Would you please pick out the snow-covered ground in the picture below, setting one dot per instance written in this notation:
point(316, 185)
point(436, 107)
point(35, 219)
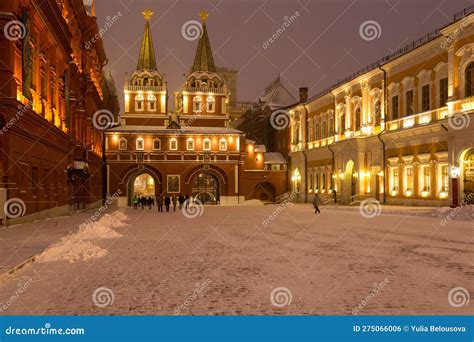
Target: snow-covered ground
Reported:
point(253, 260)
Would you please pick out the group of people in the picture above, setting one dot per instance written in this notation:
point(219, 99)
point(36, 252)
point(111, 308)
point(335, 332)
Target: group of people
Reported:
point(162, 200)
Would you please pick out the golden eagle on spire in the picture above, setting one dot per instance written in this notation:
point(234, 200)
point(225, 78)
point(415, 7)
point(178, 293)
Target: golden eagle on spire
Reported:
point(203, 15)
point(147, 14)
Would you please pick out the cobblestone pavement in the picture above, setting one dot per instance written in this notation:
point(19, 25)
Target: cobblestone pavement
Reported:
point(260, 260)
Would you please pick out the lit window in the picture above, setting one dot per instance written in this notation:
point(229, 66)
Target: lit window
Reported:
point(140, 144)
point(426, 178)
point(151, 103)
point(190, 144)
point(157, 144)
point(444, 178)
point(206, 145)
point(139, 102)
point(211, 105)
point(394, 180)
point(409, 180)
point(173, 144)
point(123, 144)
point(197, 104)
point(223, 145)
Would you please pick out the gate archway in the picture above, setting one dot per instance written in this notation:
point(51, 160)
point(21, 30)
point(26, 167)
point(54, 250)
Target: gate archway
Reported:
point(206, 188)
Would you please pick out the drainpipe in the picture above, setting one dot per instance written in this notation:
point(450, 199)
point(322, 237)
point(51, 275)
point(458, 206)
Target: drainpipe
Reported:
point(305, 156)
point(333, 162)
point(379, 136)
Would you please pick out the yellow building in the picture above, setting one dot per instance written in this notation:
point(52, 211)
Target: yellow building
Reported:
point(400, 130)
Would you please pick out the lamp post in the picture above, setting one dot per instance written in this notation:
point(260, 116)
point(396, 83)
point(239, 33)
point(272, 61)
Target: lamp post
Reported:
point(455, 173)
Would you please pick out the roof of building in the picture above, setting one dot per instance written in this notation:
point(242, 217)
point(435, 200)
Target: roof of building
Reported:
point(203, 60)
point(274, 158)
point(276, 95)
point(165, 130)
point(260, 148)
point(146, 58)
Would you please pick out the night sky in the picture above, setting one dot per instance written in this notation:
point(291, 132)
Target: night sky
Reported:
point(319, 47)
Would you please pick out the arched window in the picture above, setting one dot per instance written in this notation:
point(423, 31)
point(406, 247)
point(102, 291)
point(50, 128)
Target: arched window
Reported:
point(139, 103)
point(469, 74)
point(157, 144)
point(197, 104)
point(140, 144)
point(123, 144)
point(173, 144)
point(211, 104)
point(378, 113)
point(206, 144)
point(222, 145)
point(343, 123)
point(357, 119)
point(151, 103)
point(190, 144)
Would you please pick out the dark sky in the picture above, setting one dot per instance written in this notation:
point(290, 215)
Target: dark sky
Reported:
point(321, 46)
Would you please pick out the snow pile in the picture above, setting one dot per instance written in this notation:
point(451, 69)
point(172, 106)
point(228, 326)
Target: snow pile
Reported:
point(77, 247)
point(459, 213)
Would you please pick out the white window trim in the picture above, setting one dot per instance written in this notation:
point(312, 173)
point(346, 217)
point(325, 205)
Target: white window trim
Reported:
point(190, 140)
point(120, 144)
point(197, 99)
point(173, 140)
point(204, 144)
point(142, 99)
point(225, 142)
point(210, 99)
point(142, 142)
point(150, 100)
point(155, 140)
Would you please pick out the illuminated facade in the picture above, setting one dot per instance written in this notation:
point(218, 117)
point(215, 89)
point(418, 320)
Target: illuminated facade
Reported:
point(400, 130)
point(191, 150)
point(50, 88)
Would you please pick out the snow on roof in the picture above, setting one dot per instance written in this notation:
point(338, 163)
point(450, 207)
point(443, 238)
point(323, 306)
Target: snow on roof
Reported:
point(260, 148)
point(249, 141)
point(276, 95)
point(274, 158)
point(164, 130)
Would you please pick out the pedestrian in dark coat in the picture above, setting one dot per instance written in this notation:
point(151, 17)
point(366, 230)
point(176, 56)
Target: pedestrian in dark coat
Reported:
point(149, 202)
point(186, 201)
point(334, 195)
point(174, 200)
point(159, 201)
point(316, 203)
point(167, 202)
point(143, 202)
point(181, 201)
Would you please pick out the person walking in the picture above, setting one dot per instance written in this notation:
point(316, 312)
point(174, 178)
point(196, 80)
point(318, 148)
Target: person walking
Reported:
point(316, 203)
point(135, 202)
point(181, 201)
point(149, 202)
point(334, 195)
point(159, 201)
point(143, 202)
point(186, 201)
point(174, 200)
point(167, 202)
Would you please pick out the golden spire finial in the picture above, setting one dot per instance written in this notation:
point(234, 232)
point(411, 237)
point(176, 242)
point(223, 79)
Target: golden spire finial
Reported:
point(203, 15)
point(147, 14)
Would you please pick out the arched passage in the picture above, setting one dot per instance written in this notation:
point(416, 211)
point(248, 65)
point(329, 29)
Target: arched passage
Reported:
point(206, 187)
point(144, 181)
